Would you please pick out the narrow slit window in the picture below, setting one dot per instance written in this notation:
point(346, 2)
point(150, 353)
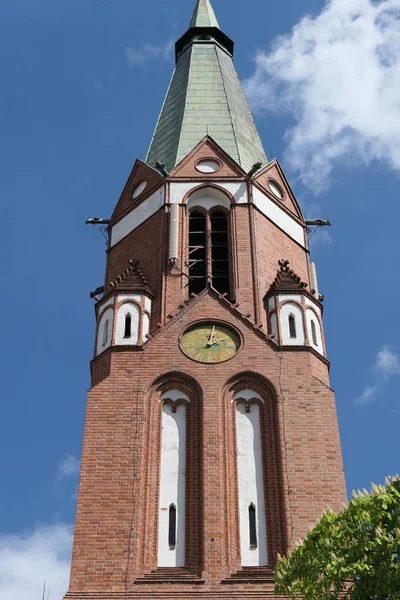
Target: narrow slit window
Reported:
point(292, 326)
point(105, 332)
point(252, 526)
point(197, 252)
point(128, 325)
point(314, 333)
point(220, 252)
point(172, 527)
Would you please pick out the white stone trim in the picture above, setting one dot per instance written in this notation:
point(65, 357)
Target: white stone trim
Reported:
point(278, 216)
point(251, 483)
point(290, 308)
point(108, 315)
point(137, 216)
point(172, 484)
point(134, 311)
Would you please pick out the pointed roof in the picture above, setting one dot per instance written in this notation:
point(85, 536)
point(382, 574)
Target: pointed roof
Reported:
point(131, 280)
point(203, 15)
point(205, 97)
point(286, 280)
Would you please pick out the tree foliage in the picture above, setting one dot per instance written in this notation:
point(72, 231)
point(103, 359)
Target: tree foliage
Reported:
point(351, 555)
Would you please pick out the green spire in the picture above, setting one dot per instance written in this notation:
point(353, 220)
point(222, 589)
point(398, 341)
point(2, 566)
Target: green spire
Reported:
point(203, 15)
point(205, 98)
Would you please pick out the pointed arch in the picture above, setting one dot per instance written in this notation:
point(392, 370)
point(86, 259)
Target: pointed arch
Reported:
point(253, 433)
point(175, 419)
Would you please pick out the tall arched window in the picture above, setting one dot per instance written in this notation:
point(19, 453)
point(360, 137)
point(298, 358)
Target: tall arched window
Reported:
point(209, 251)
point(253, 531)
point(197, 252)
point(314, 333)
point(128, 325)
point(292, 326)
point(219, 252)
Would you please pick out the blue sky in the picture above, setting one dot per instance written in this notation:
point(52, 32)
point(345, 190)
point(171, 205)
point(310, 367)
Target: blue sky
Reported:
point(81, 87)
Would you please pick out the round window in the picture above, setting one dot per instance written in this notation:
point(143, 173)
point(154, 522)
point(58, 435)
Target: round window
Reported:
point(208, 166)
point(139, 189)
point(275, 189)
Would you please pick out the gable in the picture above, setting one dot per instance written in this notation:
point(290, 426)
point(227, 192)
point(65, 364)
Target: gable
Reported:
point(210, 306)
point(196, 165)
point(272, 179)
point(142, 183)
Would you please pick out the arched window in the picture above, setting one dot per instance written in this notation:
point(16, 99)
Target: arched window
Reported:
point(105, 332)
point(314, 333)
point(252, 526)
point(171, 523)
point(197, 252)
point(128, 325)
point(209, 251)
point(292, 326)
point(219, 252)
point(252, 523)
point(172, 527)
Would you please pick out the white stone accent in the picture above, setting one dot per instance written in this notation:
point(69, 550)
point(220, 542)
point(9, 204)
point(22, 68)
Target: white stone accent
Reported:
point(292, 309)
point(251, 487)
point(104, 331)
point(247, 395)
point(311, 316)
point(294, 297)
point(271, 303)
point(120, 338)
point(136, 297)
point(279, 216)
point(173, 247)
point(145, 327)
point(172, 484)
point(208, 197)
point(137, 216)
point(147, 304)
point(317, 309)
point(274, 327)
point(110, 302)
point(314, 278)
point(238, 190)
point(174, 395)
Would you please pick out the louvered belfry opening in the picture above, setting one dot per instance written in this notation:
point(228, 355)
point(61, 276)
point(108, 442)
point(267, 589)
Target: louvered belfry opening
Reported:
point(219, 252)
point(197, 252)
point(208, 251)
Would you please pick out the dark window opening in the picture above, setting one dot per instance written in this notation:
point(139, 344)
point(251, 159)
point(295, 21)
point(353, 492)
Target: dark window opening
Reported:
point(314, 333)
point(292, 326)
point(197, 252)
point(172, 527)
point(219, 252)
point(252, 526)
point(128, 326)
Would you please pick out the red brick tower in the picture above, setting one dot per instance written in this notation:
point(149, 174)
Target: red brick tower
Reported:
point(211, 441)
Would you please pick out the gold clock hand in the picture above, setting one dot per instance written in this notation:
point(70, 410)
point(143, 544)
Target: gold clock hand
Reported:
point(210, 339)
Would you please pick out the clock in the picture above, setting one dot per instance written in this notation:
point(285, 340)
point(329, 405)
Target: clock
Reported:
point(210, 343)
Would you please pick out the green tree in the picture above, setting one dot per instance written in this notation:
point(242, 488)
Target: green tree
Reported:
point(351, 555)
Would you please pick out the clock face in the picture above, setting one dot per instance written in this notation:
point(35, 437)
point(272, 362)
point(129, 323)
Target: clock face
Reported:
point(210, 343)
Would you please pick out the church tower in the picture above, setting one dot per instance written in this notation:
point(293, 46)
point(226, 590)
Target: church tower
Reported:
point(211, 440)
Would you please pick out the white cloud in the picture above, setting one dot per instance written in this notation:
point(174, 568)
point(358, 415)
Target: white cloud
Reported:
point(387, 362)
point(367, 395)
point(140, 56)
point(338, 75)
point(29, 558)
point(67, 467)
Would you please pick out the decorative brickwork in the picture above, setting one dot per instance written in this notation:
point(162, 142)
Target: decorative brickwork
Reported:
point(115, 553)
